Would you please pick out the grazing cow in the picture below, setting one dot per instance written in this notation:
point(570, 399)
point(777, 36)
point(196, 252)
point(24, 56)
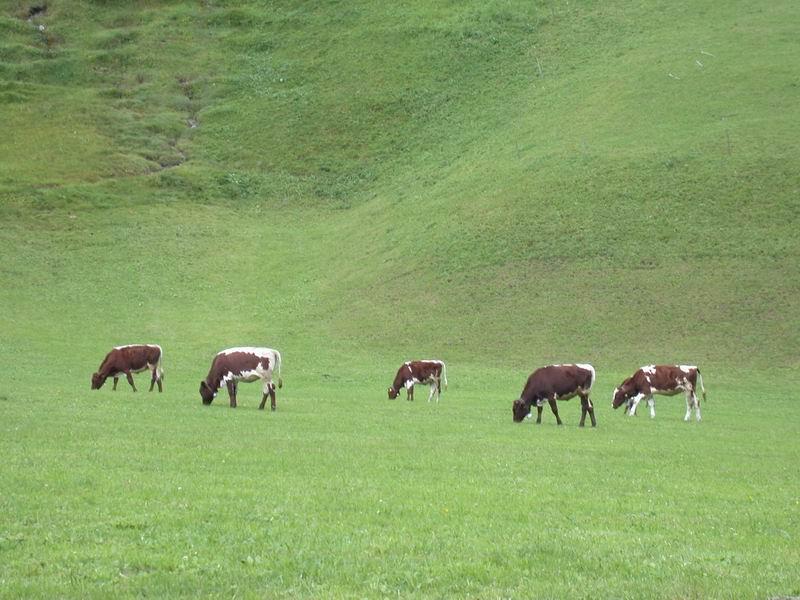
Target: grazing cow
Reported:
point(233, 365)
point(430, 372)
point(130, 359)
point(556, 382)
point(666, 380)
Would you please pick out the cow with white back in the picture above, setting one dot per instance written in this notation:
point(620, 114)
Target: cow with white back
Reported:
point(247, 364)
point(430, 372)
point(552, 383)
point(134, 358)
point(666, 380)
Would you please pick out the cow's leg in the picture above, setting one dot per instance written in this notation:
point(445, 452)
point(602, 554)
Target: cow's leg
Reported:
point(116, 380)
point(269, 390)
point(130, 379)
point(634, 403)
point(232, 392)
point(264, 394)
point(586, 407)
point(156, 379)
point(692, 402)
point(696, 405)
point(434, 390)
point(539, 412)
point(410, 392)
point(651, 403)
point(554, 408)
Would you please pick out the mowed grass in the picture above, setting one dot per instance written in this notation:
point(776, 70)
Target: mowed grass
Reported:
point(344, 493)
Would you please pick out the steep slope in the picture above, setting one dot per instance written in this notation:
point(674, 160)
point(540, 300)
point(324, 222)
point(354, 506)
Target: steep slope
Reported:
point(522, 181)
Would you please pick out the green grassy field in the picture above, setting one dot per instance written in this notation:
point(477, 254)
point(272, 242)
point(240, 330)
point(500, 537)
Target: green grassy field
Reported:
point(497, 184)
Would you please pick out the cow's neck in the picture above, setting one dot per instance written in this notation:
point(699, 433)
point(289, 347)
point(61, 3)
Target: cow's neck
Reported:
point(213, 381)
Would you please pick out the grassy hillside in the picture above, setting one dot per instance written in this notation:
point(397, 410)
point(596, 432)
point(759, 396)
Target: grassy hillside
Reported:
point(499, 184)
point(567, 179)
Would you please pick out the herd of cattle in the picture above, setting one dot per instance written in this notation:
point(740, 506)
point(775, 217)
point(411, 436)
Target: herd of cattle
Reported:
point(550, 383)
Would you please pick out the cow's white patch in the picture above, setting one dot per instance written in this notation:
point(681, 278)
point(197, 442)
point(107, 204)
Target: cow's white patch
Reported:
point(687, 368)
point(249, 375)
point(262, 352)
point(649, 369)
point(134, 345)
point(589, 368)
point(633, 403)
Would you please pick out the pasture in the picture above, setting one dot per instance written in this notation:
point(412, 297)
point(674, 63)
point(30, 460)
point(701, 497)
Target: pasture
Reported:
point(343, 493)
point(500, 185)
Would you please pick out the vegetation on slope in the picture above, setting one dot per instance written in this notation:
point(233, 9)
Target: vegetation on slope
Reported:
point(570, 179)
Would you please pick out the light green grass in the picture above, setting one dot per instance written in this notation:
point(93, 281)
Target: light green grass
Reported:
point(343, 493)
point(500, 185)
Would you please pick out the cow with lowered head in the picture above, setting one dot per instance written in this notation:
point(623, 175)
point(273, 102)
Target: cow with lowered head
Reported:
point(666, 380)
point(233, 365)
point(429, 372)
point(556, 382)
point(126, 360)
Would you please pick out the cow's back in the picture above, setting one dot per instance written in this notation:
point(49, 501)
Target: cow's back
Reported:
point(134, 357)
point(238, 360)
point(426, 369)
point(671, 376)
point(557, 379)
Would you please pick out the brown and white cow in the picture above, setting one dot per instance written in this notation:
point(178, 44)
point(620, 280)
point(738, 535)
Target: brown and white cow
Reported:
point(233, 365)
point(556, 382)
point(134, 358)
point(666, 380)
point(430, 372)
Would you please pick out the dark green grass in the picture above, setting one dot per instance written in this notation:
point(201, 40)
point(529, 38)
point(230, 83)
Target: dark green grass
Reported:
point(343, 493)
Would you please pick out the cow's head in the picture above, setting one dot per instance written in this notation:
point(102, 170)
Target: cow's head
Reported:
point(392, 393)
point(520, 410)
point(206, 393)
point(97, 381)
point(622, 394)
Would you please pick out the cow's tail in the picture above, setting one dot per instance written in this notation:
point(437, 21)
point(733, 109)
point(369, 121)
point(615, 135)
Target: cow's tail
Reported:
point(278, 368)
point(159, 368)
point(594, 376)
point(444, 374)
point(702, 387)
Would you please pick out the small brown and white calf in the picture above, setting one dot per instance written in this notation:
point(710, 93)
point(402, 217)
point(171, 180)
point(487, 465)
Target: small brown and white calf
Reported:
point(130, 359)
point(556, 382)
point(233, 365)
point(666, 380)
point(430, 372)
